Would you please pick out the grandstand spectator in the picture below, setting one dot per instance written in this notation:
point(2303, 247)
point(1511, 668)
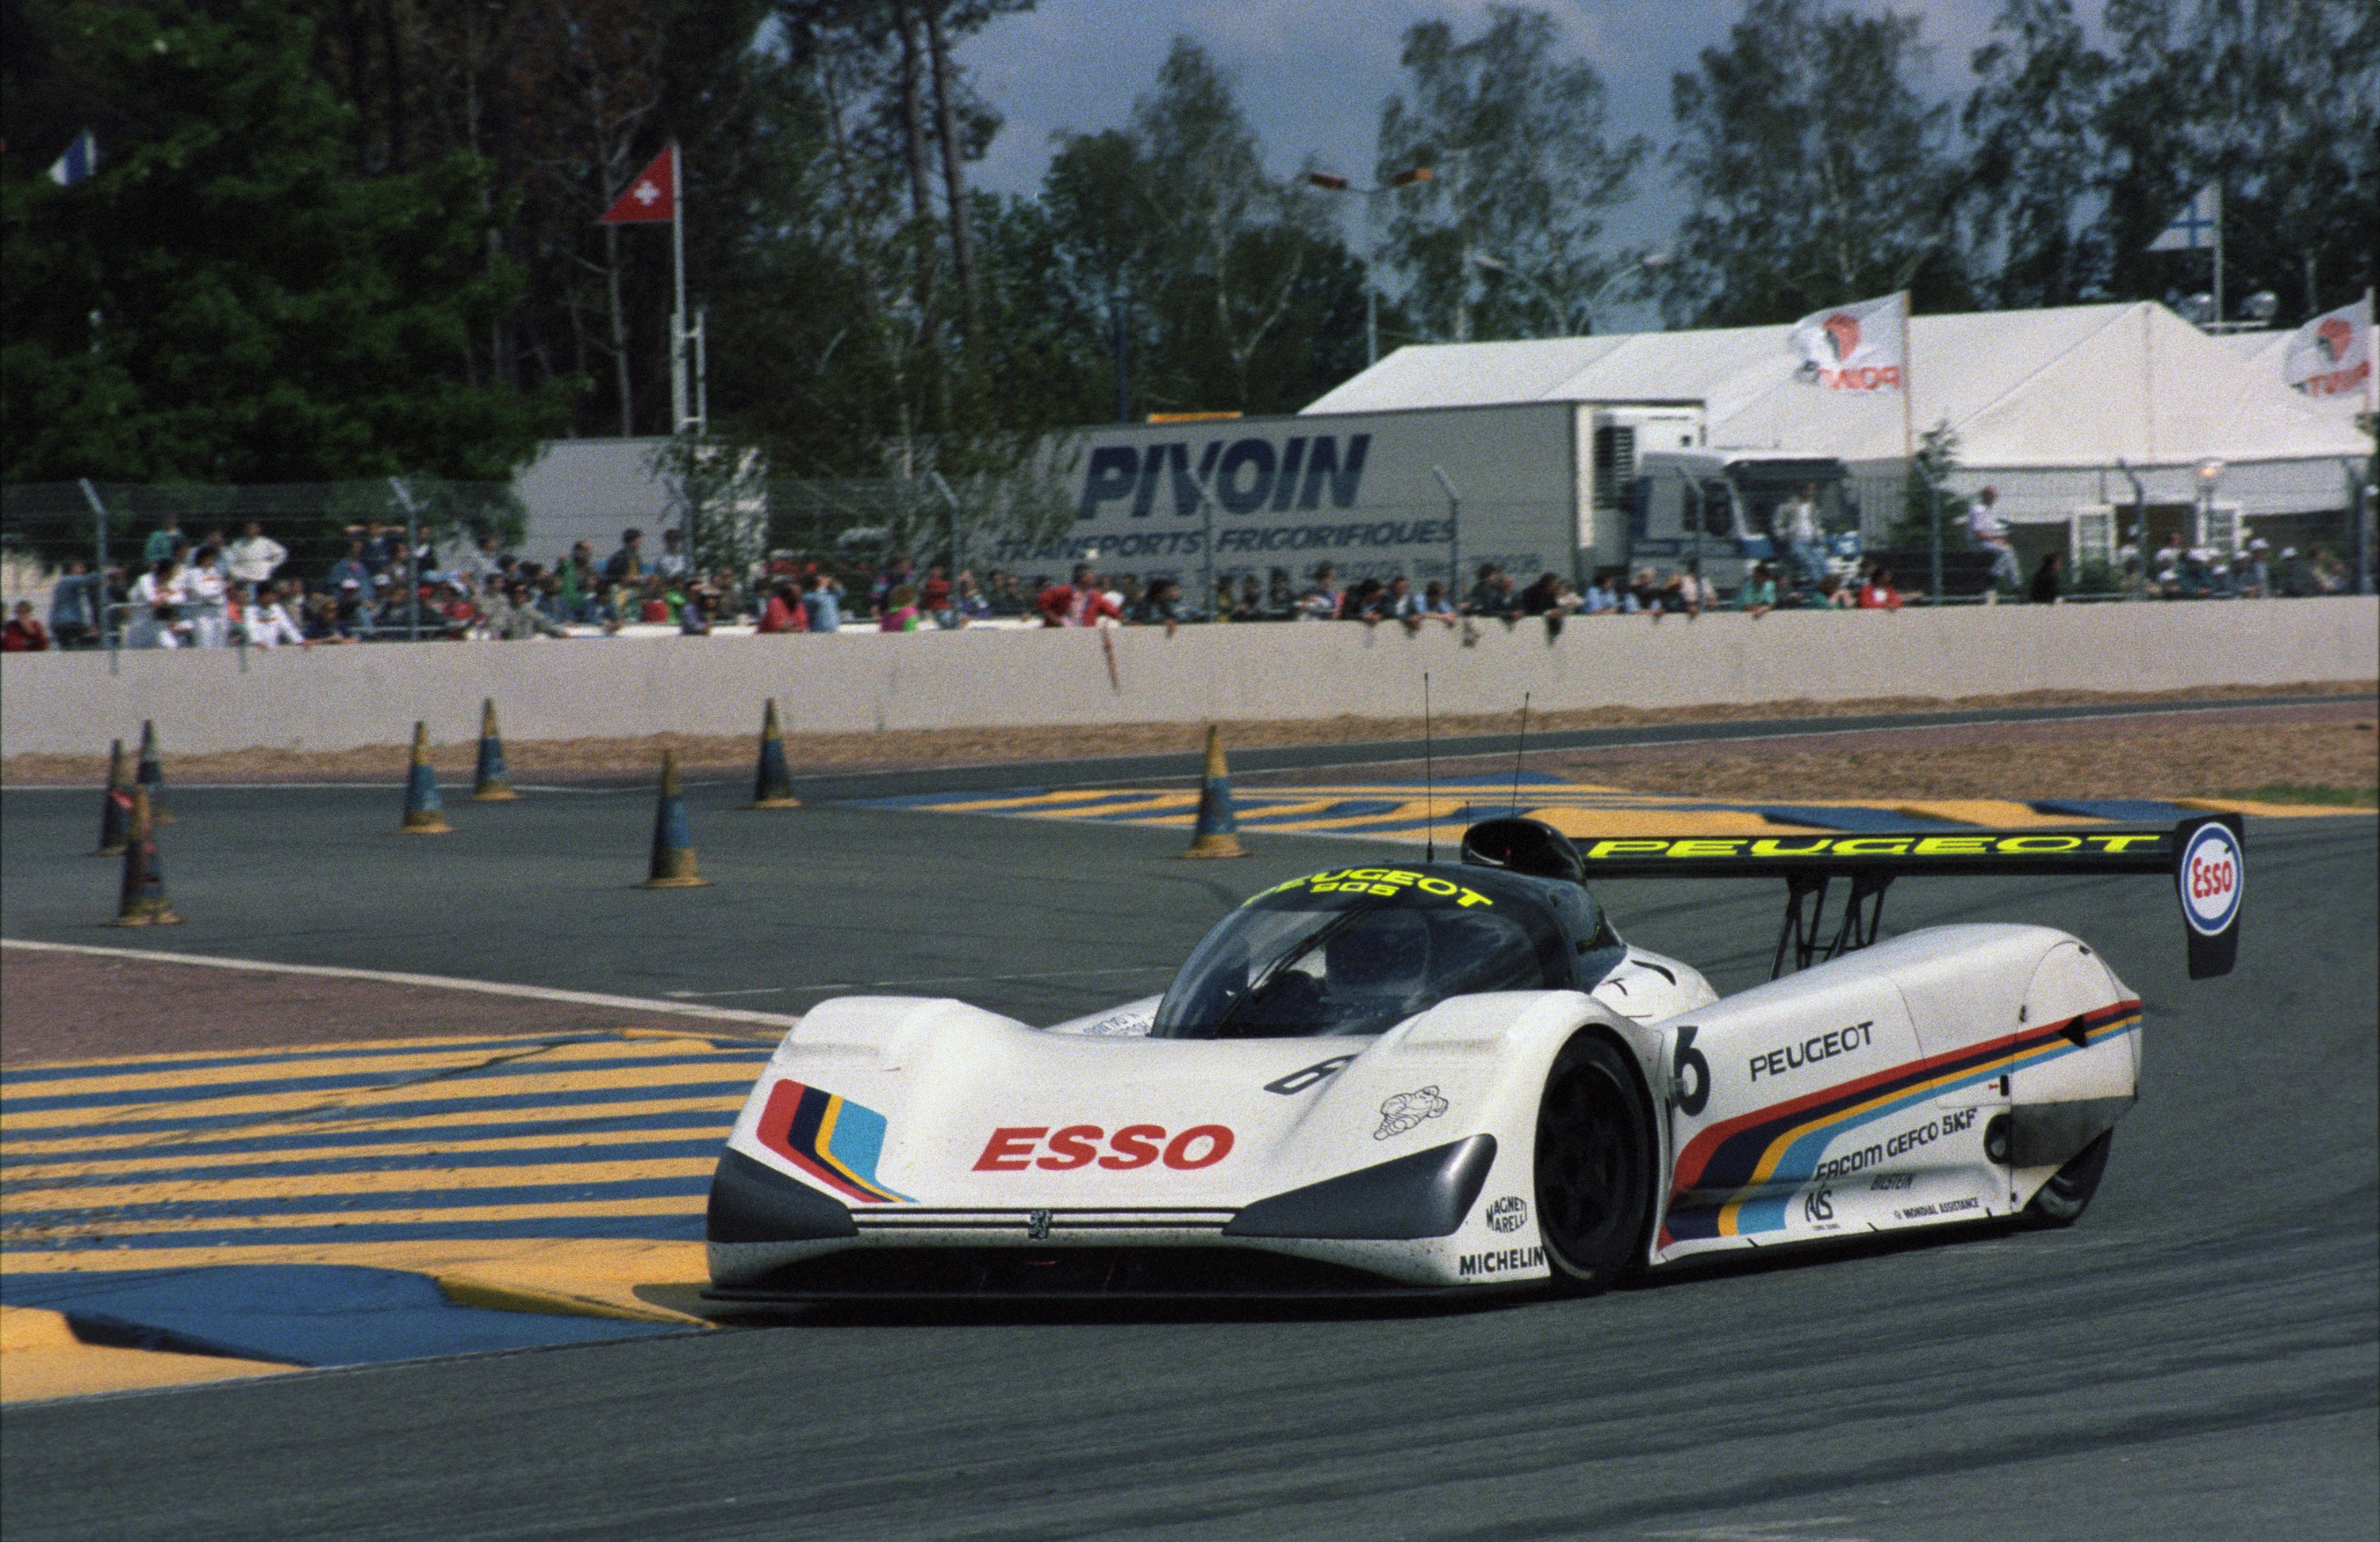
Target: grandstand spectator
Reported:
point(165, 540)
point(1758, 595)
point(264, 619)
point(157, 607)
point(206, 600)
point(24, 633)
point(2253, 572)
point(1646, 592)
point(783, 613)
point(1359, 603)
point(1988, 533)
point(1879, 594)
point(1603, 596)
point(2165, 569)
point(626, 565)
point(1279, 596)
point(670, 563)
point(1797, 521)
point(693, 612)
point(899, 612)
point(254, 558)
point(355, 569)
point(1323, 598)
point(934, 596)
point(1434, 605)
point(2045, 587)
point(823, 603)
point(1542, 597)
point(1005, 596)
point(1080, 602)
point(509, 617)
point(1161, 605)
point(967, 602)
point(479, 562)
point(74, 605)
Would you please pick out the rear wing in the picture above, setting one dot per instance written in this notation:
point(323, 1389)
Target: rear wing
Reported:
point(2205, 858)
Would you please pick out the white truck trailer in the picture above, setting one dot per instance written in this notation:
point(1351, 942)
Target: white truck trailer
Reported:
point(1557, 487)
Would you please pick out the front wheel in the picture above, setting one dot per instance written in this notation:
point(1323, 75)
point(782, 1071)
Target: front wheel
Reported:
point(1595, 1155)
point(2068, 1193)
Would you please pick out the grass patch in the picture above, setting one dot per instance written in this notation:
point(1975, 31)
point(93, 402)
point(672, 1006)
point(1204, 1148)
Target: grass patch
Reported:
point(2290, 792)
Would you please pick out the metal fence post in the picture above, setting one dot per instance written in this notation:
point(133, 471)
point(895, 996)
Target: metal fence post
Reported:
point(412, 558)
point(1934, 523)
point(98, 568)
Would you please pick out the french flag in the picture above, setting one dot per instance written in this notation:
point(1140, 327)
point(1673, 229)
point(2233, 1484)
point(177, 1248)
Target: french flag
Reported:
point(79, 160)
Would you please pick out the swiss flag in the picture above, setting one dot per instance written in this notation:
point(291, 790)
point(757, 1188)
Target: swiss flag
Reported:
point(652, 199)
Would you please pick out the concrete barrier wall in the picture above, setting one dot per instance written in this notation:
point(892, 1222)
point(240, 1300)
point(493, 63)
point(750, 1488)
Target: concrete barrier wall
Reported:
point(343, 698)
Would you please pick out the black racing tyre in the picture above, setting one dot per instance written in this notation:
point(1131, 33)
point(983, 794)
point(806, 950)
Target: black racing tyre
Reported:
point(2068, 1193)
point(1595, 1160)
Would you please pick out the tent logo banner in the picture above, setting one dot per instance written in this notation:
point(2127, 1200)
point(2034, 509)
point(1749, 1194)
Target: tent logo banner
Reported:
point(1853, 347)
point(2331, 355)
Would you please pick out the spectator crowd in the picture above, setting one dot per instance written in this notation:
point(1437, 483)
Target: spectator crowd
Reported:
point(216, 591)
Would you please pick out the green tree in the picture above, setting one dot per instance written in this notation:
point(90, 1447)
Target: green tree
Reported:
point(229, 299)
point(1818, 170)
point(1521, 169)
point(2277, 100)
point(2037, 151)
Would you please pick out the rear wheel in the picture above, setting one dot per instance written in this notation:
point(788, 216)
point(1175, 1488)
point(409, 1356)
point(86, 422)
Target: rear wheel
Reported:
point(1594, 1178)
point(2068, 1193)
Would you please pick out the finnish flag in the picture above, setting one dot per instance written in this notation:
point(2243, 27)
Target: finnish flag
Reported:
point(80, 159)
point(2198, 227)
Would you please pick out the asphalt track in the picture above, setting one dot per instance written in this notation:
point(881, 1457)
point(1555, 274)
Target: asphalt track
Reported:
point(2200, 1357)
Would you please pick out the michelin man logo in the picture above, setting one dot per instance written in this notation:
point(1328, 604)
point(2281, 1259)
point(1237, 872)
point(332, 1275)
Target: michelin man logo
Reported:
point(1407, 1110)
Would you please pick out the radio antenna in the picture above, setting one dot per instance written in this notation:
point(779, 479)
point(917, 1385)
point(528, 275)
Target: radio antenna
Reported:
point(1428, 780)
point(1520, 746)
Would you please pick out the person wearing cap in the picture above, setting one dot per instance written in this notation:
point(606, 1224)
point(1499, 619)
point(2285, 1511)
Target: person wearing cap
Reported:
point(1989, 533)
point(2254, 578)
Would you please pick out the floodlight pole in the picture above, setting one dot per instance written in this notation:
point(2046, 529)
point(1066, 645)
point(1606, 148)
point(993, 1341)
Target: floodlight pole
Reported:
point(678, 397)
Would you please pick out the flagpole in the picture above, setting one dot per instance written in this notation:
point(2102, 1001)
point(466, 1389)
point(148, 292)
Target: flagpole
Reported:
point(1908, 391)
point(677, 268)
point(2217, 186)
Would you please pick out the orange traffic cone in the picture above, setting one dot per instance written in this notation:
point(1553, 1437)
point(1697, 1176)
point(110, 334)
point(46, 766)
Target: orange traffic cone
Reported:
point(673, 865)
point(1217, 832)
point(490, 783)
point(153, 772)
point(424, 815)
point(773, 784)
point(115, 806)
point(143, 902)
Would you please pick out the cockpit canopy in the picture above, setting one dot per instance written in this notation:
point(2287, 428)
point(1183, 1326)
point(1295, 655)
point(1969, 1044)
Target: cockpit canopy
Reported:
point(1358, 950)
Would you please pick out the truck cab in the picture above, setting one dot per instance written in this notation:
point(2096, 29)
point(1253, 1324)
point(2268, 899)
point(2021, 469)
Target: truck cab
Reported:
point(1719, 507)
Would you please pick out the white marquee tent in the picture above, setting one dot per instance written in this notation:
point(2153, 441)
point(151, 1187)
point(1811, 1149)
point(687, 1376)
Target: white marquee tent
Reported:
point(2047, 405)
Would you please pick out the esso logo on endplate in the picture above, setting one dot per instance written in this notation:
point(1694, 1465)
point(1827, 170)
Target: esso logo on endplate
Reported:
point(2212, 871)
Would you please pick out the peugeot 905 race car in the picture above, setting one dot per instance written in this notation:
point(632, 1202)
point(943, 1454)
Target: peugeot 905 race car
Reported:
point(1452, 1075)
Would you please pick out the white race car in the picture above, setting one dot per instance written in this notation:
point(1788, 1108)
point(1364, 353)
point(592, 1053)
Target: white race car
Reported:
point(1453, 1075)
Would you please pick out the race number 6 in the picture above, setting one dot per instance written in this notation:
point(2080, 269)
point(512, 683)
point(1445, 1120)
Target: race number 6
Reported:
point(1691, 1092)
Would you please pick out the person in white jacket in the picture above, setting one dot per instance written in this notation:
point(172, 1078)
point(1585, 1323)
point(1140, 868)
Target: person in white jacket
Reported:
point(206, 600)
point(157, 607)
point(254, 558)
point(268, 622)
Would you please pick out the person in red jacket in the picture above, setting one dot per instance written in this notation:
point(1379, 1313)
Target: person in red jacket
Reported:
point(25, 632)
point(1877, 593)
point(1080, 603)
point(783, 613)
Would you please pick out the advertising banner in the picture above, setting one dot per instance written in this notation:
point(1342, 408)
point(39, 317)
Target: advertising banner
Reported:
point(1362, 491)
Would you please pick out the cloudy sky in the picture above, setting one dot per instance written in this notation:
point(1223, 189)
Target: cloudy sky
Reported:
point(1312, 74)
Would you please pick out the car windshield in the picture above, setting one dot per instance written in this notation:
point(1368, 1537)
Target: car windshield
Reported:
point(1359, 951)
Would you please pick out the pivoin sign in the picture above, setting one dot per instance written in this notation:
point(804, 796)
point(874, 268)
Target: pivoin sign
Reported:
point(1247, 476)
